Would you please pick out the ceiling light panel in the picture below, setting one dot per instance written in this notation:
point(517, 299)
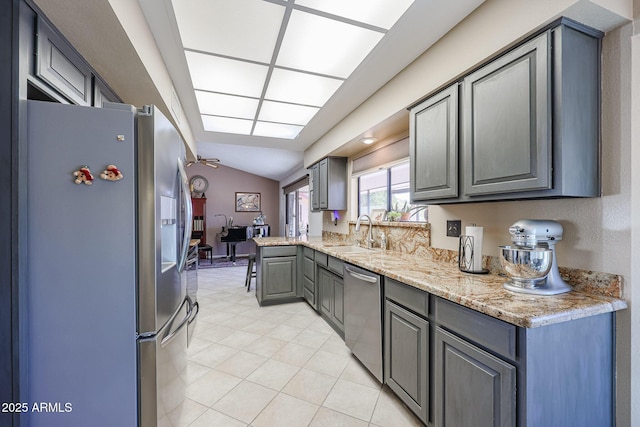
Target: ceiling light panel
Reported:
point(246, 29)
point(379, 13)
point(301, 88)
point(224, 75)
point(218, 104)
point(228, 125)
point(324, 46)
point(286, 113)
point(276, 130)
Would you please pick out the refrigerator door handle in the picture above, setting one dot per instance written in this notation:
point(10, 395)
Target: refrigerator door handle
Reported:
point(171, 333)
point(194, 312)
point(188, 208)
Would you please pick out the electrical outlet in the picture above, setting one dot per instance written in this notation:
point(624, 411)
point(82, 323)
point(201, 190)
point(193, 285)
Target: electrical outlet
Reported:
point(453, 228)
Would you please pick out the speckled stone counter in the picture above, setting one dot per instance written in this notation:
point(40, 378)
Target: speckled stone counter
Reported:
point(483, 293)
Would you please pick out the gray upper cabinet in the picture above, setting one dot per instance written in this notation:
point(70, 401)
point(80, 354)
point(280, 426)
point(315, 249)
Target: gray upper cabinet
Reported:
point(434, 146)
point(528, 124)
point(58, 65)
point(329, 186)
point(507, 142)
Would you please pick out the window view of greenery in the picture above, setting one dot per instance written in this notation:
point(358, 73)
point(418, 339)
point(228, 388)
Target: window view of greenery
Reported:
point(388, 189)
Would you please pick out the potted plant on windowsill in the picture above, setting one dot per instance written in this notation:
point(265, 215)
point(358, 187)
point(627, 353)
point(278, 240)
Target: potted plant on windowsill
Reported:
point(406, 212)
point(393, 216)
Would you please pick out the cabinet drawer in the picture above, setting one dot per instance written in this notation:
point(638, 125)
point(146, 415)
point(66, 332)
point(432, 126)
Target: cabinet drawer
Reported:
point(308, 252)
point(407, 296)
point(321, 258)
point(274, 251)
point(336, 265)
point(486, 331)
point(307, 267)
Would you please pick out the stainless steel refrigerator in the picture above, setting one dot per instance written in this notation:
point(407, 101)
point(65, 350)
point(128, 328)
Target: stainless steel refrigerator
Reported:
point(109, 223)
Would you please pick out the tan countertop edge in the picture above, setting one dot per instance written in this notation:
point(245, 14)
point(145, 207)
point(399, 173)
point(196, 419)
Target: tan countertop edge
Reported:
point(483, 293)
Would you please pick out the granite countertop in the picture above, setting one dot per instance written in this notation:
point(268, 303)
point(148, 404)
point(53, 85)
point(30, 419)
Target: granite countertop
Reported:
point(480, 292)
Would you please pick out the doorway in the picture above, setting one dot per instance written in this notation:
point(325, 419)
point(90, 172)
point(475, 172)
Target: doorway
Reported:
point(297, 223)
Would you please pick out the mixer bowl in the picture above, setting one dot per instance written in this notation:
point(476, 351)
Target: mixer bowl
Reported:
point(526, 267)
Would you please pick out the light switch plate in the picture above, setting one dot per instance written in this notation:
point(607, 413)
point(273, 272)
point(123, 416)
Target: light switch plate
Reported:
point(453, 228)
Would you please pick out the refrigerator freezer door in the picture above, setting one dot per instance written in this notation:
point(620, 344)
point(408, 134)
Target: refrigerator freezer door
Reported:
point(81, 309)
point(161, 221)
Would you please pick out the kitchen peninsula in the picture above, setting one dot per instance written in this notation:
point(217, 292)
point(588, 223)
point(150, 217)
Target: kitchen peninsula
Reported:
point(459, 346)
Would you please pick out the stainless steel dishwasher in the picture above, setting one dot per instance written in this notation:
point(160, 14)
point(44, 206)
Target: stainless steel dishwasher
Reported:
point(363, 317)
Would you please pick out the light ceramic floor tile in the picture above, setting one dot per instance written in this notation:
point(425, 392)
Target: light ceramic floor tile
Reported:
point(194, 371)
point(327, 363)
point(265, 346)
point(239, 339)
point(336, 345)
point(319, 325)
point(301, 321)
point(215, 333)
point(260, 327)
point(390, 412)
point(273, 374)
point(186, 413)
point(352, 399)
point(213, 355)
point(213, 418)
point(310, 386)
point(294, 354)
point(286, 411)
point(284, 332)
point(329, 418)
point(245, 401)
point(293, 334)
point(357, 373)
point(241, 364)
point(310, 338)
point(211, 387)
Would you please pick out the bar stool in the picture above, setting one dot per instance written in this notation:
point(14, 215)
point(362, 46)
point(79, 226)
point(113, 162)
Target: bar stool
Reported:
point(251, 272)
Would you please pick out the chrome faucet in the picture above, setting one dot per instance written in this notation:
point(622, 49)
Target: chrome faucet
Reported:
point(369, 234)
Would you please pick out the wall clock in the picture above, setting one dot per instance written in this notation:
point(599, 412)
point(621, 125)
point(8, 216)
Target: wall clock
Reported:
point(199, 184)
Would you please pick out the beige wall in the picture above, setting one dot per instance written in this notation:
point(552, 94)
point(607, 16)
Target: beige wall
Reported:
point(224, 182)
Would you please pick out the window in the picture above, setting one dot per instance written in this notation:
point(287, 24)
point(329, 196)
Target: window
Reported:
point(386, 188)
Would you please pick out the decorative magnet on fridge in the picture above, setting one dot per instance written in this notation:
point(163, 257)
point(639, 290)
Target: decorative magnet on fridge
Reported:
point(111, 173)
point(83, 175)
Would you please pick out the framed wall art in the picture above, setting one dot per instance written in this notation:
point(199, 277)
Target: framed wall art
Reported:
point(248, 202)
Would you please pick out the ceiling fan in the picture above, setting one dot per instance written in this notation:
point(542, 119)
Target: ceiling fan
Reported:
point(212, 163)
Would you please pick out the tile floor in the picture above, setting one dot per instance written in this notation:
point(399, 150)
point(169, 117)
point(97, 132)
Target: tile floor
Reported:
point(275, 366)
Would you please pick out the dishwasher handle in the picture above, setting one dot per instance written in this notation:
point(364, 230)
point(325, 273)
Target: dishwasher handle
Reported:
point(364, 277)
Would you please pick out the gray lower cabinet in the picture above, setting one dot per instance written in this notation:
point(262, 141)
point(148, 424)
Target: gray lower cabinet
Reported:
point(331, 303)
point(472, 387)
point(276, 274)
point(406, 358)
point(309, 286)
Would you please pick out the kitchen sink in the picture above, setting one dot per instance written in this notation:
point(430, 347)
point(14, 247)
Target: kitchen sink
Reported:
point(345, 249)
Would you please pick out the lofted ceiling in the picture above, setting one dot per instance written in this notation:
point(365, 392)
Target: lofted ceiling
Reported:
point(257, 35)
